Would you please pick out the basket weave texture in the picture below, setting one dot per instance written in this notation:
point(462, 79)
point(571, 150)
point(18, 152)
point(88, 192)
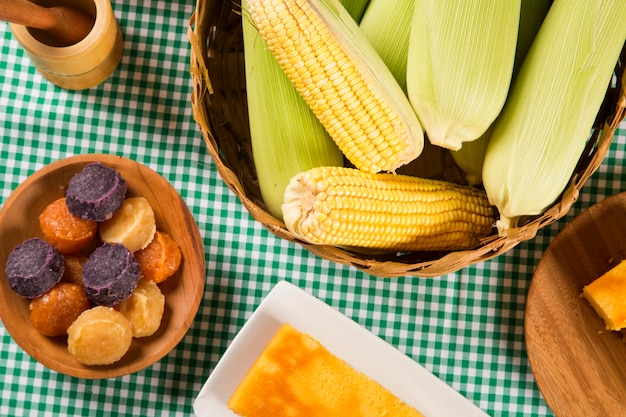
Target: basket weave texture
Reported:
point(220, 109)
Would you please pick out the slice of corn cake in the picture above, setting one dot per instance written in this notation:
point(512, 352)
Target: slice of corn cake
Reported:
point(607, 295)
point(296, 376)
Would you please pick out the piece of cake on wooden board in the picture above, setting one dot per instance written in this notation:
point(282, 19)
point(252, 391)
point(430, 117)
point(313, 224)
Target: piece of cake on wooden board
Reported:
point(607, 296)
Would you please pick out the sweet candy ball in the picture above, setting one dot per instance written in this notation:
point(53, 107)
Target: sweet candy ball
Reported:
point(53, 312)
point(99, 336)
point(63, 230)
point(160, 259)
point(33, 267)
point(74, 268)
point(96, 192)
point(133, 225)
point(144, 308)
point(110, 274)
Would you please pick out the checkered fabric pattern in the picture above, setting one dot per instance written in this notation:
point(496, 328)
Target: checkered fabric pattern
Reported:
point(465, 327)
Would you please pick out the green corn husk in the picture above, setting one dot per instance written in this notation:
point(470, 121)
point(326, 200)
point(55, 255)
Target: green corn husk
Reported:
point(471, 156)
point(460, 64)
point(286, 136)
point(532, 15)
point(356, 8)
point(545, 124)
point(387, 25)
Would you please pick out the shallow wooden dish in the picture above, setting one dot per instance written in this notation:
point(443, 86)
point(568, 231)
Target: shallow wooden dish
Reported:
point(183, 291)
point(578, 365)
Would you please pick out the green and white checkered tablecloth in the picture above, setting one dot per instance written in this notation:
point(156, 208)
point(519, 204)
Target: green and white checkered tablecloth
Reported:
point(465, 327)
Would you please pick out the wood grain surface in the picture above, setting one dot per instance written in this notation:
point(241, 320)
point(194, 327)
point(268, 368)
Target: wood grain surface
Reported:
point(183, 291)
point(579, 366)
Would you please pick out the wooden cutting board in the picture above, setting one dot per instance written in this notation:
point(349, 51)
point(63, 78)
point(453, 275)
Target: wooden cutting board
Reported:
point(579, 367)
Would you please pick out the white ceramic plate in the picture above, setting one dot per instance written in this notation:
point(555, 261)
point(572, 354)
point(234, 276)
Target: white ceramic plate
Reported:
point(360, 348)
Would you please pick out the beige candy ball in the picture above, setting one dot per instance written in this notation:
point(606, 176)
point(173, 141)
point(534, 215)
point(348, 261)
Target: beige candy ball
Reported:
point(133, 225)
point(144, 308)
point(99, 336)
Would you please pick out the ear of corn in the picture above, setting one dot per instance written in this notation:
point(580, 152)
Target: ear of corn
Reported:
point(356, 8)
point(471, 156)
point(342, 79)
point(460, 64)
point(349, 207)
point(387, 25)
point(541, 134)
point(286, 136)
point(532, 15)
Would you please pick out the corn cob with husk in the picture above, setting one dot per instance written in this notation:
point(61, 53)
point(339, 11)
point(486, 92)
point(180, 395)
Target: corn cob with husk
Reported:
point(348, 207)
point(542, 131)
point(471, 156)
point(532, 15)
point(286, 136)
point(460, 63)
point(342, 79)
point(387, 25)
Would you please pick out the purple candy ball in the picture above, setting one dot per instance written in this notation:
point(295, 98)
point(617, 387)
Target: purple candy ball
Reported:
point(95, 193)
point(110, 274)
point(33, 267)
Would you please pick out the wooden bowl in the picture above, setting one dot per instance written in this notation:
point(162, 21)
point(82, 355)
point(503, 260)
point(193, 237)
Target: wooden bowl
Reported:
point(579, 366)
point(183, 291)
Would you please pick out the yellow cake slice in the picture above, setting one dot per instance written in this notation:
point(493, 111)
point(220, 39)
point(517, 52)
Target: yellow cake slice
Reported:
point(296, 376)
point(607, 295)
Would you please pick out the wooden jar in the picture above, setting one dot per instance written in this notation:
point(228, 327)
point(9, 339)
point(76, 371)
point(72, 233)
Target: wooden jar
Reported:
point(83, 64)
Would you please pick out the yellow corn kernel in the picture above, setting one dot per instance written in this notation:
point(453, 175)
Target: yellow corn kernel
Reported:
point(349, 207)
point(332, 66)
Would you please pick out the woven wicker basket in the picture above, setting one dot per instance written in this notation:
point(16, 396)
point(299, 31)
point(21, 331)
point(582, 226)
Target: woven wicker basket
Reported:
point(220, 110)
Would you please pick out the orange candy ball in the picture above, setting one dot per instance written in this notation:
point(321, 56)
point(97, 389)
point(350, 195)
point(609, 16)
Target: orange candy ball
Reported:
point(54, 312)
point(73, 268)
point(65, 231)
point(160, 259)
